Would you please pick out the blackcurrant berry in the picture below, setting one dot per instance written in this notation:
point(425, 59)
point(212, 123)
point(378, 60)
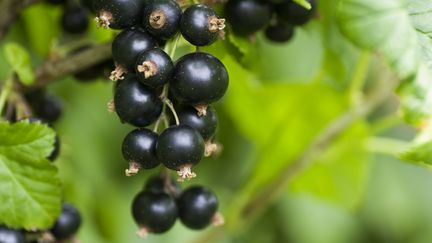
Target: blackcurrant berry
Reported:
point(179, 148)
point(158, 184)
point(161, 18)
point(67, 223)
point(100, 70)
point(8, 235)
point(199, 79)
point(154, 67)
point(200, 26)
point(279, 32)
point(295, 14)
point(154, 212)
point(197, 207)
point(45, 106)
point(118, 14)
point(247, 16)
point(75, 20)
point(126, 47)
point(56, 1)
point(205, 125)
point(88, 4)
point(139, 149)
point(135, 103)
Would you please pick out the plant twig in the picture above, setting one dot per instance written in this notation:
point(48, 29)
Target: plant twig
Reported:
point(9, 12)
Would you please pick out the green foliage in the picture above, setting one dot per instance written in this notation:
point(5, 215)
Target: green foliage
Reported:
point(29, 184)
point(19, 59)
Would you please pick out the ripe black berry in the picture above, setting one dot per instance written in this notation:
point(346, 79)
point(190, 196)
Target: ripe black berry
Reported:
point(118, 14)
point(45, 106)
point(247, 16)
point(197, 207)
point(158, 184)
point(295, 14)
point(161, 18)
point(8, 235)
point(205, 125)
point(199, 79)
point(154, 67)
point(67, 223)
point(154, 212)
point(139, 149)
point(200, 26)
point(280, 32)
point(135, 103)
point(126, 47)
point(179, 148)
point(56, 1)
point(100, 70)
point(75, 20)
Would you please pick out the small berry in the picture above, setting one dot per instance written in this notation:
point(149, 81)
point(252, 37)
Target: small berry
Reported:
point(197, 207)
point(247, 16)
point(88, 4)
point(135, 103)
point(8, 235)
point(295, 14)
point(179, 148)
point(56, 2)
point(154, 212)
point(126, 47)
point(67, 223)
point(199, 79)
point(100, 70)
point(75, 20)
point(139, 149)
point(200, 26)
point(158, 184)
point(45, 106)
point(118, 14)
point(205, 125)
point(161, 18)
point(280, 32)
point(154, 67)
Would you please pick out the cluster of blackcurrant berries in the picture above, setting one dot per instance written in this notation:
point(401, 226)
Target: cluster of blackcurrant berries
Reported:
point(75, 19)
point(278, 18)
point(64, 229)
point(156, 208)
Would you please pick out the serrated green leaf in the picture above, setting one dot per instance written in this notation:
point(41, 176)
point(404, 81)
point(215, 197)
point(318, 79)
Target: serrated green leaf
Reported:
point(19, 59)
point(29, 184)
point(421, 153)
point(303, 3)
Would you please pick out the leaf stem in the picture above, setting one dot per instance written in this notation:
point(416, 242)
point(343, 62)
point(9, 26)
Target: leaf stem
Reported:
point(359, 78)
point(5, 92)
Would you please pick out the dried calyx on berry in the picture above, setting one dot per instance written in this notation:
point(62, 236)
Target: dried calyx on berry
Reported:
point(154, 67)
point(161, 18)
point(118, 14)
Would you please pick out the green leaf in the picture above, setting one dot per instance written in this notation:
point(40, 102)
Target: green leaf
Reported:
point(421, 153)
point(30, 194)
point(303, 3)
point(20, 61)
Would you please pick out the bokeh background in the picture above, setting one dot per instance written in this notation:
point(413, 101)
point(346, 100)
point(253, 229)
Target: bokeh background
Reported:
point(280, 98)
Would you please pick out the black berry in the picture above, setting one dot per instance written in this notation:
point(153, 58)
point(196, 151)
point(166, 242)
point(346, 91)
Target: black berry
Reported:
point(75, 20)
point(200, 26)
point(279, 32)
point(118, 14)
point(127, 46)
point(199, 79)
point(205, 125)
point(139, 149)
point(295, 14)
point(135, 103)
point(161, 18)
point(8, 235)
point(179, 148)
point(45, 106)
point(67, 223)
point(56, 1)
point(88, 4)
point(100, 70)
point(197, 207)
point(154, 67)
point(56, 151)
point(247, 16)
point(157, 184)
point(154, 212)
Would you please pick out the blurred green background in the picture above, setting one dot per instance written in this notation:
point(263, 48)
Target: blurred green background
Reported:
point(280, 98)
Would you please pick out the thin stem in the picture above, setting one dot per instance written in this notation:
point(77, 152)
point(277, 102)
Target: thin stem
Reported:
point(6, 90)
point(173, 111)
point(174, 47)
point(359, 78)
point(156, 126)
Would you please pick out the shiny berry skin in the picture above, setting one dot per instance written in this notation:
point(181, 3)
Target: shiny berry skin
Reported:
point(154, 212)
point(154, 67)
point(199, 25)
point(295, 14)
point(180, 146)
point(161, 18)
point(156, 184)
point(280, 32)
point(247, 16)
point(118, 14)
point(75, 20)
point(135, 103)
point(8, 235)
point(140, 146)
point(199, 79)
point(197, 207)
point(205, 125)
point(67, 223)
point(129, 44)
